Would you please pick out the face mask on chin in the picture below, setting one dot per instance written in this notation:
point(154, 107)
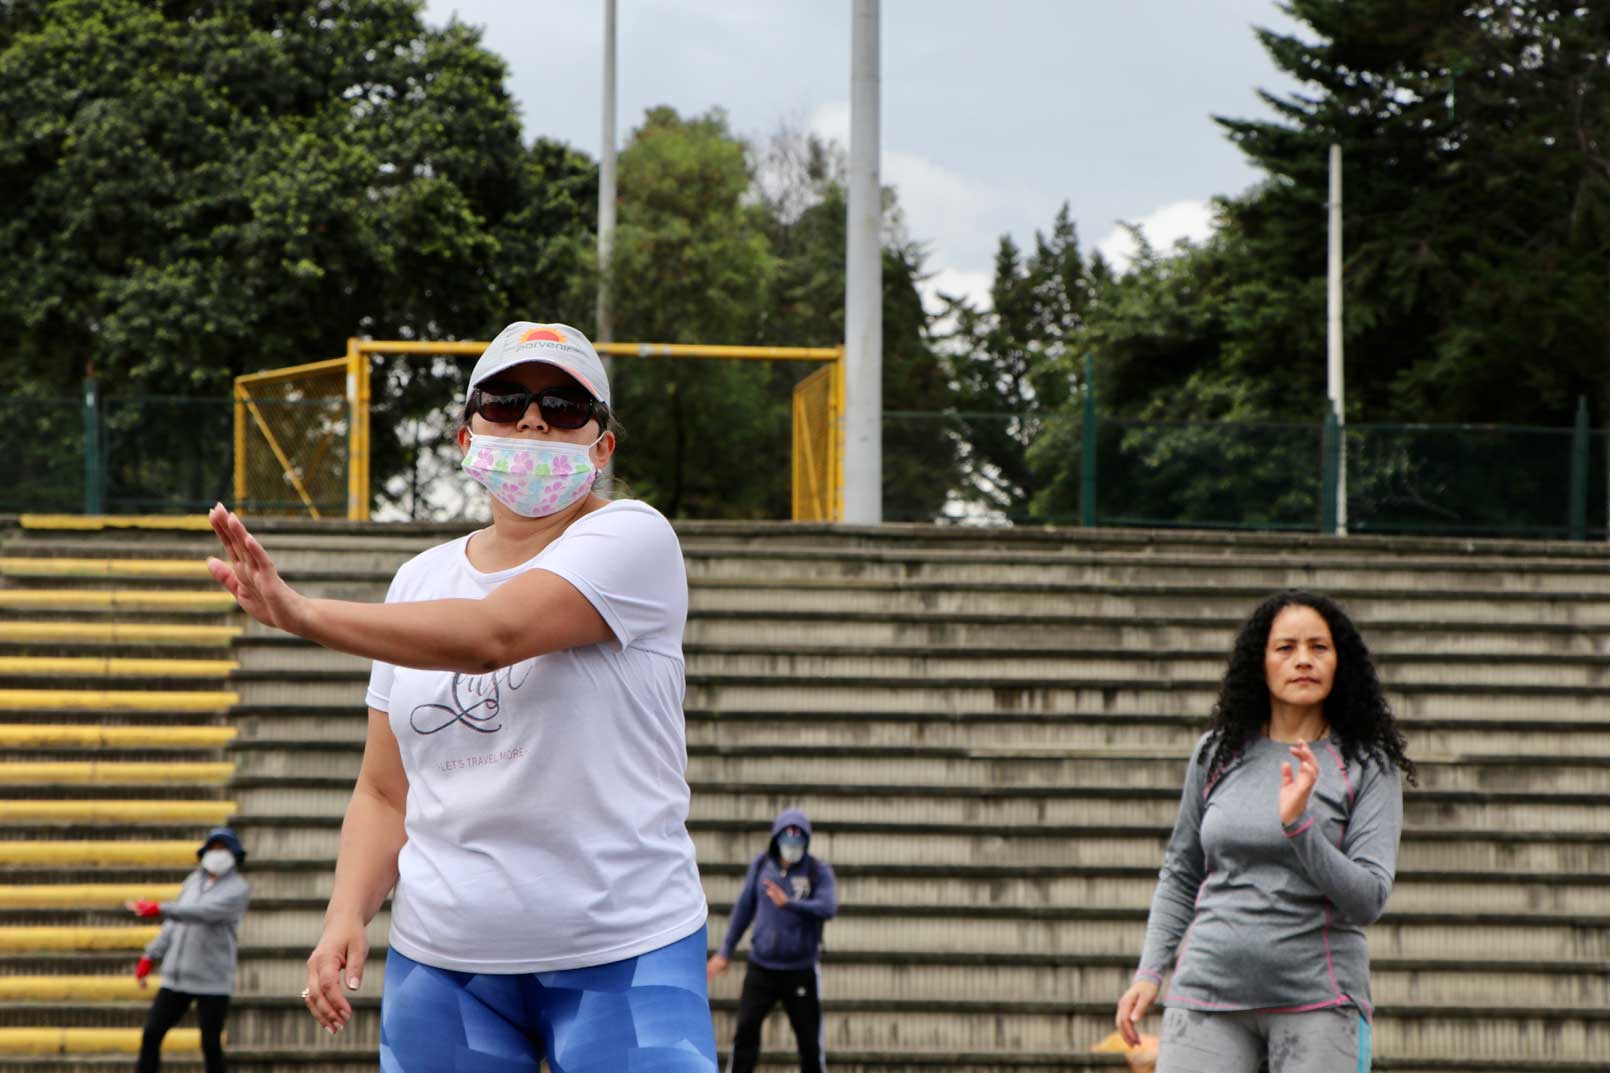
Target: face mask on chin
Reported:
point(217, 862)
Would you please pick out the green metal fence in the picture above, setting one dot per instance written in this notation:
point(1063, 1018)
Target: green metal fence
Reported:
point(169, 454)
point(149, 454)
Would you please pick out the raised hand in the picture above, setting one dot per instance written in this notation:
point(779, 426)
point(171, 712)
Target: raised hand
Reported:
point(1296, 786)
point(250, 575)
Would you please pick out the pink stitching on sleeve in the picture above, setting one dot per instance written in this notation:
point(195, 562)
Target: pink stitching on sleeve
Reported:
point(1342, 767)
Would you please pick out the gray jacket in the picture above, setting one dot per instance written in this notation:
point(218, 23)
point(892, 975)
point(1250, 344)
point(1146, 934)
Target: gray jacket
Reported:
point(198, 941)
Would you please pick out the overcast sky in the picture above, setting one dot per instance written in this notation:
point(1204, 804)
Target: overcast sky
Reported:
point(993, 114)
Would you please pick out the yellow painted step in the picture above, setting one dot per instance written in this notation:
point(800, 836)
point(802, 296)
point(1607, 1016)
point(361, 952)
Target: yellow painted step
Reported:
point(46, 937)
point(93, 1040)
point(115, 599)
point(168, 853)
point(116, 700)
point(201, 812)
point(72, 735)
point(103, 667)
point(112, 772)
point(81, 895)
point(52, 566)
point(116, 633)
point(81, 522)
point(77, 988)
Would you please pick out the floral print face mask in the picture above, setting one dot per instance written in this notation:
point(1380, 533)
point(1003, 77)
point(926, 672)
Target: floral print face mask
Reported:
point(533, 478)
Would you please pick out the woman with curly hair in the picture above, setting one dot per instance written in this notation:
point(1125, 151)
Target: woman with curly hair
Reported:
point(1285, 848)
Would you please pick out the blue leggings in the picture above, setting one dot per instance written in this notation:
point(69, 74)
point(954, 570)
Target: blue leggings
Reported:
point(648, 1014)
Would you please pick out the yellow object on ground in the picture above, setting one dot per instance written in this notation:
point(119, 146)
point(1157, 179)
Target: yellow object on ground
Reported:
point(93, 772)
point(124, 633)
point(76, 988)
point(117, 700)
point(186, 522)
point(205, 812)
point(131, 937)
point(54, 566)
point(92, 1040)
point(158, 854)
point(81, 895)
point(130, 599)
point(22, 735)
point(99, 666)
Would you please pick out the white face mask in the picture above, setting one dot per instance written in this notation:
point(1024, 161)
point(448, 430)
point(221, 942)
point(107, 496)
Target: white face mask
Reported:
point(790, 852)
point(218, 861)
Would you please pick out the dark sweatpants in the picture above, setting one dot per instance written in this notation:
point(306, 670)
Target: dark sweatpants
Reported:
point(166, 1010)
point(763, 989)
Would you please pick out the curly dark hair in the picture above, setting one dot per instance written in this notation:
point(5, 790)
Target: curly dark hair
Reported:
point(1357, 710)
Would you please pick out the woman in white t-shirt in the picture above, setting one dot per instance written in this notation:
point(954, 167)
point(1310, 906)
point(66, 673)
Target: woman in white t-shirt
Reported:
point(524, 781)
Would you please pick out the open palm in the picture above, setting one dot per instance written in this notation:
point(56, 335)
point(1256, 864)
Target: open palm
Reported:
point(250, 575)
point(1296, 786)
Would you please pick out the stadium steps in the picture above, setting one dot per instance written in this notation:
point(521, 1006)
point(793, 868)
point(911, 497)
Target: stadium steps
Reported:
point(988, 726)
point(114, 698)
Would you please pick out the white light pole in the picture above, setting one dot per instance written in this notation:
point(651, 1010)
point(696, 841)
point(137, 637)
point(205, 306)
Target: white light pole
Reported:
point(1333, 333)
point(606, 178)
point(863, 293)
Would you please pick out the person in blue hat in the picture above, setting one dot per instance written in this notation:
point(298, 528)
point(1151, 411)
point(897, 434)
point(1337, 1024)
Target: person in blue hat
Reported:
point(789, 895)
point(197, 946)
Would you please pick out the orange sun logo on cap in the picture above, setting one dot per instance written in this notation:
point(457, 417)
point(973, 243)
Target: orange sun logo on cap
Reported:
point(552, 335)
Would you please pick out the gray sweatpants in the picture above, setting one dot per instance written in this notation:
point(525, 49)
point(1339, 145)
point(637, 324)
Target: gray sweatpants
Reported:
point(1335, 1040)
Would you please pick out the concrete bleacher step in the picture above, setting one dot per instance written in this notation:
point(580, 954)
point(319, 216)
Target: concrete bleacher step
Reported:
point(1097, 805)
point(916, 1029)
point(807, 564)
point(259, 659)
point(1522, 939)
point(72, 1043)
point(965, 734)
point(973, 800)
point(1112, 696)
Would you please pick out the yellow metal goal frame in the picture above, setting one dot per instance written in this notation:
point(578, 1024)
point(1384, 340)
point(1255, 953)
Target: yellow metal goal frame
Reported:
point(818, 408)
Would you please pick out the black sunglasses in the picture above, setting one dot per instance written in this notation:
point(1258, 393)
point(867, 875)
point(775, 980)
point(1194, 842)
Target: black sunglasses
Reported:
point(560, 407)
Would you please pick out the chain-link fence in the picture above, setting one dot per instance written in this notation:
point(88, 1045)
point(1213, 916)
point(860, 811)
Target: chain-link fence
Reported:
point(1450, 480)
point(149, 454)
point(175, 455)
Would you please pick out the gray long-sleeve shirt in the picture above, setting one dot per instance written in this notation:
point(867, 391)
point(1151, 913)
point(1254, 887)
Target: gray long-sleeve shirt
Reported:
point(197, 944)
point(1270, 917)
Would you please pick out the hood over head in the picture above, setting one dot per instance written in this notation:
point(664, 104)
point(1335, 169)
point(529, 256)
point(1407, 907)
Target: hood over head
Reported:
point(789, 817)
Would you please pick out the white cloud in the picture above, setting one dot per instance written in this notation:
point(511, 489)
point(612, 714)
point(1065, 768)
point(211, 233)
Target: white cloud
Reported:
point(1190, 221)
point(941, 207)
point(832, 121)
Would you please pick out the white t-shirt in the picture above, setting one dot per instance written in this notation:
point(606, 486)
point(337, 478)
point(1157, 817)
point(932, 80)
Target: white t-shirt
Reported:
point(548, 801)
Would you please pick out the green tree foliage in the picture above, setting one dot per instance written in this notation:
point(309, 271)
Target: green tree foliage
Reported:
point(692, 265)
point(1018, 365)
point(717, 246)
point(196, 190)
point(802, 183)
point(1477, 228)
point(1477, 235)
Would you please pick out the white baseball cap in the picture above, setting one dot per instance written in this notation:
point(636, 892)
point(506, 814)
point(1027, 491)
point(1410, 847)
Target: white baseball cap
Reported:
point(558, 345)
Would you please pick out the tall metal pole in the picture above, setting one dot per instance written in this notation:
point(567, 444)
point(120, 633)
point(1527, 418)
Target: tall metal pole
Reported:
point(606, 178)
point(863, 296)
point(1333, 333)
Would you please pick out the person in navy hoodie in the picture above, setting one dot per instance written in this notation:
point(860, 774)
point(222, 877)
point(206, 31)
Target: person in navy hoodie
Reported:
point(789, 895)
